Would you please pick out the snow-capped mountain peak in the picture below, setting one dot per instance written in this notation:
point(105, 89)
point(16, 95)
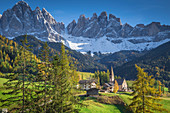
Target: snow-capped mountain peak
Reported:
point(21, 19)
point(98, 33)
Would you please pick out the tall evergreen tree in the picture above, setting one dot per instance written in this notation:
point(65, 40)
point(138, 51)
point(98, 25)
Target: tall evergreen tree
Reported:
point(98, 82)
point(44, 79)
point(145, 95)
point(108, 78)
point(63, 99)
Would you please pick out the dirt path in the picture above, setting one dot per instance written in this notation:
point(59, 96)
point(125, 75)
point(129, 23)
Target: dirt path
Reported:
point(164, 98)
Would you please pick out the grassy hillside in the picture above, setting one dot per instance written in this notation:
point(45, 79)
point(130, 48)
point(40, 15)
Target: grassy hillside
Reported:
point(119, 58)
point(95, 107)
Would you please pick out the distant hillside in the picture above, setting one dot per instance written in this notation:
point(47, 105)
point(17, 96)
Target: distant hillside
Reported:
point(155, 62)
point(85, 62)
point(119, 58)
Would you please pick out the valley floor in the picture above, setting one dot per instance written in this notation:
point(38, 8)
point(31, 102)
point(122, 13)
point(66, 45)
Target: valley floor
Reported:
point(92, 105)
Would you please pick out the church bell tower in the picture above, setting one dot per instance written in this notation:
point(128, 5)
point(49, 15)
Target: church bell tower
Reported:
point(111, 75)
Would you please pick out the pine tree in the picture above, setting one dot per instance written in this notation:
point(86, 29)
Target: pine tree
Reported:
point(44, 80)
point(63, 98)
point(101, 75)
point(145, 95)
point(104, 77)
point(98, 82)
point(116, 87)
point(108, 78)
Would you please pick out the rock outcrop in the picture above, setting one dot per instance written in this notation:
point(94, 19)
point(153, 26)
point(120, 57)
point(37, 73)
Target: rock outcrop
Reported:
point(21, 19)
point(102, 25)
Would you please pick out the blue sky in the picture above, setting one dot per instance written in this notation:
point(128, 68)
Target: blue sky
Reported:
point(130, 11)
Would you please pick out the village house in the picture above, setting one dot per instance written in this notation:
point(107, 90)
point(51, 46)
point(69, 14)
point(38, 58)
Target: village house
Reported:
point(110, 86)
point(87, 84)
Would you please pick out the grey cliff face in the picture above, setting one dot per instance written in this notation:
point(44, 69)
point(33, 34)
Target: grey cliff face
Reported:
point(21, 19)
point(102, 25)
point(71, 26)
point(80, 26)
point(95, 27)
point(125, 30)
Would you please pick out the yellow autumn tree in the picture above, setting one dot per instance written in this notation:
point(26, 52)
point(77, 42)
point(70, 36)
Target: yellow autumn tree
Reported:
point(116, 87)
point(159, 88)
point(145, 96)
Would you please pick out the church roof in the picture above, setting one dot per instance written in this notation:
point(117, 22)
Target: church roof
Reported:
point(109, 84)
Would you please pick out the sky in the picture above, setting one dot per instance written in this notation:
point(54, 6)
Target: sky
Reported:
point(129, 11)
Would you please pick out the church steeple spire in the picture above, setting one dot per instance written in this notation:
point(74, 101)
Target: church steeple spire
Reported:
point(111, 75)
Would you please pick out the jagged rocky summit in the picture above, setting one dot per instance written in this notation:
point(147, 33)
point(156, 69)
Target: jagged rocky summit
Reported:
point(111, 26)
point(21, 19)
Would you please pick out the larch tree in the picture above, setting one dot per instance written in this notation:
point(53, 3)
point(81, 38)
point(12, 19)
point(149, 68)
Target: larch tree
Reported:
point(116, 87)
point(159, 88)
point(145, 96)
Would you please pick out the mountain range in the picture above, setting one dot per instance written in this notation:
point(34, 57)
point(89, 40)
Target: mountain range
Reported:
point(101, 33)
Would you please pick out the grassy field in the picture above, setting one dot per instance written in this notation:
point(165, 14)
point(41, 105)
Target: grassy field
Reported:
point(86, 75)
point(2, 80)
point(95, 107)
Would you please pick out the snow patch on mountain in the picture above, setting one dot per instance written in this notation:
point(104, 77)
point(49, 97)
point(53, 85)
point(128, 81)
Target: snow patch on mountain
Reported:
point(105, 44)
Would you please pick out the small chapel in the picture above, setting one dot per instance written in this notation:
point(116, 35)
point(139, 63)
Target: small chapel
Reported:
point(121, 82)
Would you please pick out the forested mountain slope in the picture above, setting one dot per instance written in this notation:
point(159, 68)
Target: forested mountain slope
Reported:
point(155, 62)
point(84, 62)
